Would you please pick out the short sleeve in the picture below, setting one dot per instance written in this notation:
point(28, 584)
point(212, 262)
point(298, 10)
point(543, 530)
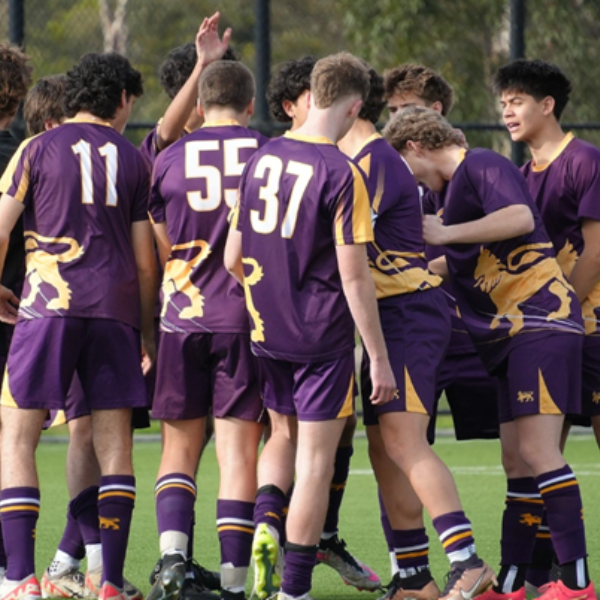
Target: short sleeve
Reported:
point(157, 206)
point(586, 183)
point(20, 187)
point(236, 211)
point(352, 216)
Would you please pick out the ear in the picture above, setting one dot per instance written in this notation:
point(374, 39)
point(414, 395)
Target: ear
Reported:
point(200, 109)
point(414, 147)
point(437, 106)
point(548, 104)
point(123, 102)
point(355, 108)
point(288, 107)
point(250, 108)
point(308, 99)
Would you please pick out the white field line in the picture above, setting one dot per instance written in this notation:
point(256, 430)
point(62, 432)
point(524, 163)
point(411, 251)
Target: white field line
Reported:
point(590, 469)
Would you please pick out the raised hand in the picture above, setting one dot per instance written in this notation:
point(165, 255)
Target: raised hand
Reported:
point(208, 45)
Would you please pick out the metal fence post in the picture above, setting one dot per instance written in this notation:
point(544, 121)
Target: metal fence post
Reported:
point(262, 43)
point(16, 36)
point(517, 50)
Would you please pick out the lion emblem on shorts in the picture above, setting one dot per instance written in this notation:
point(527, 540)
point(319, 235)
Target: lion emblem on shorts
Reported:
point(42, 267)
point(395, 274)
point(258, 333)
point(596, 397)
point(508, 288)
point(567, 258)
point(525, 396)
point(177, 279)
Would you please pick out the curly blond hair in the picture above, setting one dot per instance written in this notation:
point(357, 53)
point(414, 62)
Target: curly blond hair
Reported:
point(15, 78)
point(422, 125)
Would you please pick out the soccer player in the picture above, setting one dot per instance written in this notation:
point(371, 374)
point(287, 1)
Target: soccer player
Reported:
point(564, 180)
point(15, 78)
point(204, 354)
point(288, 100)
point(298, 244)
point(521, 312)
point(83, 191)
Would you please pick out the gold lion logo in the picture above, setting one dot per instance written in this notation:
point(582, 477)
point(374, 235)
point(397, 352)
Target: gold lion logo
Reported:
point(508, 289)
point(258, 333)
point(108, 523)
point(177, 279)
point(525, 396)
point(42, 267)
point(596, 397)
point(530, 520)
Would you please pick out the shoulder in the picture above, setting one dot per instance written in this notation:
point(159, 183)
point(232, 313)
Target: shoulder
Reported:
point(579, 152)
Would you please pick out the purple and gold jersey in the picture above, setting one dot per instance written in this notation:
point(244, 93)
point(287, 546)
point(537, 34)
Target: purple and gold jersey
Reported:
point(149, 145)
point(299, 198)
point(397, 255)
point(194, 188)
point(82, 186)
point(508, 288)
point(567, 190)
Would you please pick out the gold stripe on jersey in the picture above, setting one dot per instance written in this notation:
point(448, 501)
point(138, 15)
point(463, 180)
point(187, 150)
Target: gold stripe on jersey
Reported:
point(9, 172)
point(7, 399)
point(91, 120)
point(348, 406)
point(547, 405)
point(234, 215)
point(413, 402)
point(362, 226)
point(371, 138)
point(565, 142)
point(221, 123)
point(258, 332)
point(311, 139)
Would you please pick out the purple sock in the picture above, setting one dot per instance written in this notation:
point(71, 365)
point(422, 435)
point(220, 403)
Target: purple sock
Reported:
point(84, 507)
point(19, 508)
point(456, 535)
point(71, 542)
point(412, 551)
point(270, 501)
point(2, 552)
point(116, 499)
point(297, 573)
point(338, 486)
point(235, 526)
point(562, 501)
point(538, 572)
point(175, 498)
point(190, 544)
point(385, 524)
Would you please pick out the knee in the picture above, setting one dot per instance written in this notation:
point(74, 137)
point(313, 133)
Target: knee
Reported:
point(80, 436)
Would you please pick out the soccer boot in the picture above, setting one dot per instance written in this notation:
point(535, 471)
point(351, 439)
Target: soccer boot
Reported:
point(169, 582)
point(265, 552)
point(94, 578)
point(227, 595)
point(211, 580)
point(284, 596)
point(26, 589)
point(108, 591)
point(557, 590)
point(68, 584)
point(333, 553)
point(468, 579)
point(416, 587)
point(194, 590)
point(492, 594)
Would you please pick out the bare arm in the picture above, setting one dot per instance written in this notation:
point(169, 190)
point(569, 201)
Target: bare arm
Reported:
point(439, 266)
point(163, 243)
point(509, 222)
point(233, 254)
point(586, 273)
point(209, 48)
point(10, 211)
point(143, 249)
point(359, 290)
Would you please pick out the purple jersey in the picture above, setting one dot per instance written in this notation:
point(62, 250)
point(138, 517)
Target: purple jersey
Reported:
point(567, 190)
point(194, 188)
point(82, 186)
point(397, 256)
point(149, 145)
point(299, 198)
point(508, 288)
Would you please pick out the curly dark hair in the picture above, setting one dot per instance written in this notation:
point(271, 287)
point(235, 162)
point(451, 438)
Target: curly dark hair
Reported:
point(44, 102)
point(15, 78)
point(290, 80)
point(375, 102)
point(536, 78)
point(179, 64)
point(96, 83)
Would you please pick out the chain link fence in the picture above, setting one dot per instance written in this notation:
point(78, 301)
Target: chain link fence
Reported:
point(465, 40)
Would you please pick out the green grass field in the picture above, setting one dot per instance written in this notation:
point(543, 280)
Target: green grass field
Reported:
point(475, 464)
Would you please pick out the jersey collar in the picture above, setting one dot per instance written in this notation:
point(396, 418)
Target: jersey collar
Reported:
point(311, 139)
point(565, 142)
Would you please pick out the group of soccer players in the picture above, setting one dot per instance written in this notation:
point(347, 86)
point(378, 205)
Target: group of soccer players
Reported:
point(460, 272)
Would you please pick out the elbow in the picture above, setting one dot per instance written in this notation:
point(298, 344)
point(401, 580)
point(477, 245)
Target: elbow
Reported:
point(527, 221)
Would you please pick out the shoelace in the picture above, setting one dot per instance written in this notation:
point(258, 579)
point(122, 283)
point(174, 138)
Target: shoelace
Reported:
point(339, 547)
point(451, 578)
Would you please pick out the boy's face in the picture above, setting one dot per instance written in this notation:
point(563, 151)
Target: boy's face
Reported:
point(523, 115)
point(403, 100)
point(423, 165)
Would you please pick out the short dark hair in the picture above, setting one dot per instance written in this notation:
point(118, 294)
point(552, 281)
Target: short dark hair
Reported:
point(179, 64)
point(44, 102)
point(420, 81)
point(375, 102)
point(536, 78)
point(15, 78)
point(228, 84)
point(290, 80)
point(96, 84)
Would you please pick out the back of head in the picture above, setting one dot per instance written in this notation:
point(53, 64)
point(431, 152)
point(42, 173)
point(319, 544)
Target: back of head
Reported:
point(337, 77)
point(375, 102)
point(96, 84)
point(420, 81)
point(15, 78)
point(424, 126)
point(44, 102)
point(536, 78)
point(289, 82)
point(226, 84)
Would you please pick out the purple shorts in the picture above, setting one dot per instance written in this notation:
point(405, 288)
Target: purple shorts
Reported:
point(46, 353)
point(472, 395)
point(197, 371)
point(75, 407)
point(541, 377)
point(309, 391)
point(417, 331)
point(590, 384)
